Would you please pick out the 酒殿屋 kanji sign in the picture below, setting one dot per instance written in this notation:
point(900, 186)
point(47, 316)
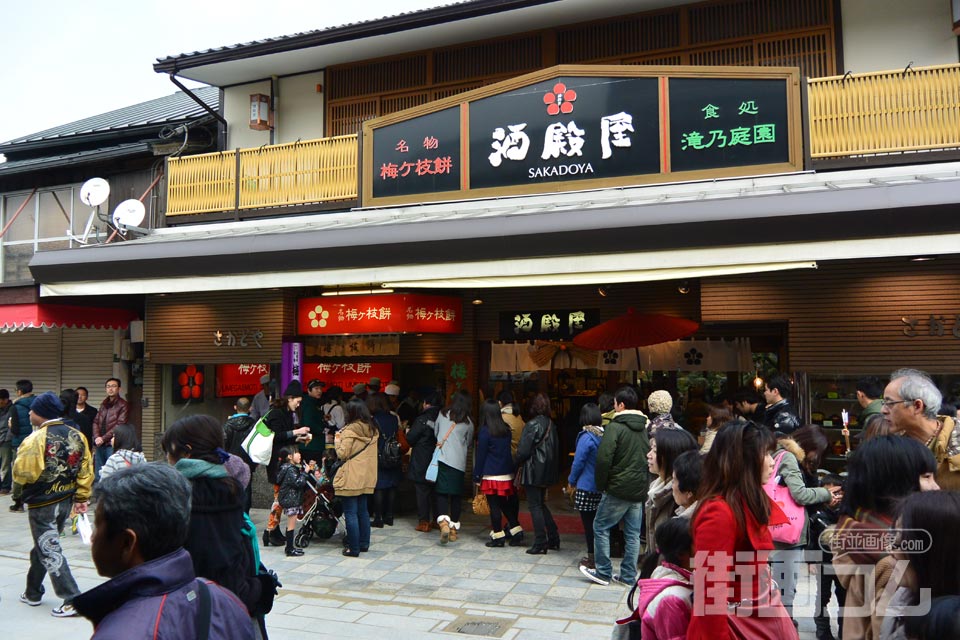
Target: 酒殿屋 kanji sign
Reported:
point(391, 313)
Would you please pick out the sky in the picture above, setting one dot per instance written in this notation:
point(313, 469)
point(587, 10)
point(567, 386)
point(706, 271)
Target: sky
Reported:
point(68, 60)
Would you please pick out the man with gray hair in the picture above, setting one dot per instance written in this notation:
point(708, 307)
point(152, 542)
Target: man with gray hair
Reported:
point(910, 404)
point(142, 517)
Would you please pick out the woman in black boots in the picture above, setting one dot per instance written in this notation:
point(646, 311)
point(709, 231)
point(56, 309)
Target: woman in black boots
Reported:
point(493, 473)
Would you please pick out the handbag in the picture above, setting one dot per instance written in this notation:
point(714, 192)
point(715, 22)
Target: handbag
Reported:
point(788, 533)
point(764, 618)
point(259, 442)
point(480, 505)
point(434, 467)
point(337, 464)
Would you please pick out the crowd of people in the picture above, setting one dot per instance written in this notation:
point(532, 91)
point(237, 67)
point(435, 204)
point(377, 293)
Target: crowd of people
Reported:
point(716, 529)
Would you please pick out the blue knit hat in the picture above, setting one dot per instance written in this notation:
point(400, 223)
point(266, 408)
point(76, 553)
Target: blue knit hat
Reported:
point(47, 405)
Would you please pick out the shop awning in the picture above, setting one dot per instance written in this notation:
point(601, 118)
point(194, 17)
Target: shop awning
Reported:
point(17, 317)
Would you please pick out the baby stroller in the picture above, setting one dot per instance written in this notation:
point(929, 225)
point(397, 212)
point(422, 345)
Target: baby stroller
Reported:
point(322, 514)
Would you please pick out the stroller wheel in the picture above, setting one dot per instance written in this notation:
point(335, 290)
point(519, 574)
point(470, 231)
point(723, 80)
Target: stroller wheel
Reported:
point(303, 538)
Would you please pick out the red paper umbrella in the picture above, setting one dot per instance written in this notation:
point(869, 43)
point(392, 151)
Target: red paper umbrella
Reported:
point(635, 330)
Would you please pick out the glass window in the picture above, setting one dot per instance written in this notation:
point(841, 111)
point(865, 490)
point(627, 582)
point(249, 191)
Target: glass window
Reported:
point(23, 227)
point(54, 213)
point(15, 260)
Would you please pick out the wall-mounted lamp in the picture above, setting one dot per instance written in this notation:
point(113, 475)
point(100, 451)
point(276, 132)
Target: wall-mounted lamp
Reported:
point(684, 287)
point(260, 112)
point(603, 291)
point(476, 301)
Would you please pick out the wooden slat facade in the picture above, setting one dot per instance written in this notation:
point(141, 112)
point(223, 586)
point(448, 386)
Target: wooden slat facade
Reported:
point(719, 32)
point(179, 328)
point(846, 317)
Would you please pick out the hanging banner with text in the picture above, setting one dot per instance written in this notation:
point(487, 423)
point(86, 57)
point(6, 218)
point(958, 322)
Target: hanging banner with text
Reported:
point(390, 313)
point(235, 380)
point(582, 127)
point(347, 374)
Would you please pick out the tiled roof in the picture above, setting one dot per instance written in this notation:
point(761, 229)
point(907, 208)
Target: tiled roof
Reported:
point(80, 157)
point(377, 26)
point(153, 113)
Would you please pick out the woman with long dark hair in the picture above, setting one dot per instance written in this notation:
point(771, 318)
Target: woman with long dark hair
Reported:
point(356, 445)
point(388, 424)
point(538, 454)
point(454, 432)
point(731, 540)
point(282, 420)
point(665, 445)
point(880, 472)
point(493, 474)
point(220, 552)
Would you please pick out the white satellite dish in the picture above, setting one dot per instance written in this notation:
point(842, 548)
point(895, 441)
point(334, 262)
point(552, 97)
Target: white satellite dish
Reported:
point(129, 213)
point(94, 192)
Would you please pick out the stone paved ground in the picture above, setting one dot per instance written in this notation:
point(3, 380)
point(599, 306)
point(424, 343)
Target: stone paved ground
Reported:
point(406, 586)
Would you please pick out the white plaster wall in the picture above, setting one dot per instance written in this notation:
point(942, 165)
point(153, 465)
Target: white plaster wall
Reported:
point(236, 110)
point(300, 108)
point(880, 35)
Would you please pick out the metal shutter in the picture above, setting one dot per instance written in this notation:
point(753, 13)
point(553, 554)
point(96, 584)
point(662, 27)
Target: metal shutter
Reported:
point(87, 361)
point(32, 354)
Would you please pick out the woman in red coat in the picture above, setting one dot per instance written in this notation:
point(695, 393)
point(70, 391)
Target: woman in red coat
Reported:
point(731, 540)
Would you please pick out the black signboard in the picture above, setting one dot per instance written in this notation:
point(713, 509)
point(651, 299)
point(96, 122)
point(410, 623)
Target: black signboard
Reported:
point(717, 123)
point(566, 128)
point(555, 324)
point(416, 156)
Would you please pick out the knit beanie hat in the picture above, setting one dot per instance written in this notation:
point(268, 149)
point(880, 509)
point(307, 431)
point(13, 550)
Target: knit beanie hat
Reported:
point(660, 402)
point(47, 405)
point(294, 389)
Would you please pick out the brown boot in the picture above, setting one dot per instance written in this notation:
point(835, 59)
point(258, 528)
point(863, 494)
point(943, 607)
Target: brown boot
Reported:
point(423, 526)
point(454, 527)
point(444, 523)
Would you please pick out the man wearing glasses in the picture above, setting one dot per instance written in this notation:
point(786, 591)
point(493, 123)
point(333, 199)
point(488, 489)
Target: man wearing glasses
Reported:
point(910, 404)
point(113, 411)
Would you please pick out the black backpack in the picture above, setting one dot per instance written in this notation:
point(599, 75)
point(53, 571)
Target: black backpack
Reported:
point(389, 455)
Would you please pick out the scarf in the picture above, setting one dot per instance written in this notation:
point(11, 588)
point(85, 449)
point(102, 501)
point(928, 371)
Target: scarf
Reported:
point(594, 429)
point(191, 468)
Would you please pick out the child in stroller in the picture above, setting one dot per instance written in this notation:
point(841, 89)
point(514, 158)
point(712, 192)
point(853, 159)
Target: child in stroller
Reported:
point(322, 513)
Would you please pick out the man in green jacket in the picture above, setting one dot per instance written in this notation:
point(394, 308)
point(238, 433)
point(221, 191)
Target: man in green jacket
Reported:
point(869, 397)
point(621, 473)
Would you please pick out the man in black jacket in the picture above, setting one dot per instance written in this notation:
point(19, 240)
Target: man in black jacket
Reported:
point(235, 429)
point(780, 414)
point(423, 441)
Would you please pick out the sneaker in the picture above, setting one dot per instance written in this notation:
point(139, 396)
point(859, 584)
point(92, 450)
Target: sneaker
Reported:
point(64, 611)
point(591, 574)
point(26, 600)
point(619, 580)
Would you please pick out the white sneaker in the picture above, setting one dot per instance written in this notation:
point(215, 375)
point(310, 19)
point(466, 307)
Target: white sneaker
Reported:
point(64, 611)
point(591, 574)
point(26, 600)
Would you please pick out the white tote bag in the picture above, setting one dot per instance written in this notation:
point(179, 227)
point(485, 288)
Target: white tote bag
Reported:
point(259, 442)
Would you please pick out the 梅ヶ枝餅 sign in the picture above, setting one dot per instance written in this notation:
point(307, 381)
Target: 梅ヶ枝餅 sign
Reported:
point(389, 313)
point(347, 374)
point(573, 127)
point(235, 380)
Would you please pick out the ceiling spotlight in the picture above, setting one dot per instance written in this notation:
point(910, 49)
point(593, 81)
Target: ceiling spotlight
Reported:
point(922, 258)
point(476, 301)
point(603, 291)
point(684, 287)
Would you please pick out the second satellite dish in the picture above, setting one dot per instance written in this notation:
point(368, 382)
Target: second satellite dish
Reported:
point(129, 213)
point(94, 192)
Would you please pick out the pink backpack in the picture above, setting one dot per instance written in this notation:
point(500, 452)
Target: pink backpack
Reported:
point(785, 533)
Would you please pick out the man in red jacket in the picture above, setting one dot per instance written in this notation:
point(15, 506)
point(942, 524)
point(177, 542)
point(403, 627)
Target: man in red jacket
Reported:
point(113, 411)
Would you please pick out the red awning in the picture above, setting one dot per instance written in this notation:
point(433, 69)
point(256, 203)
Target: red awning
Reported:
point(16, 317)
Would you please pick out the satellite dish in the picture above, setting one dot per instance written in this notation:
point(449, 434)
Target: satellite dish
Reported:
point(94, 192)
point(129, 213)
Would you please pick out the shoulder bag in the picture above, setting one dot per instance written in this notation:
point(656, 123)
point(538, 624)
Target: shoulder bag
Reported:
point(258, 443)
point(434, 467)
point(790, 532)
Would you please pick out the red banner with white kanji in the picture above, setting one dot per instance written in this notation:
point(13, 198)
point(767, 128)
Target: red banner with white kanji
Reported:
point(390, 313)
point(347, 374)
point(235, 380)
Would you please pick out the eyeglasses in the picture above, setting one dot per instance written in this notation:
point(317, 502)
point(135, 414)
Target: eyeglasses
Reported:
point(890, 403)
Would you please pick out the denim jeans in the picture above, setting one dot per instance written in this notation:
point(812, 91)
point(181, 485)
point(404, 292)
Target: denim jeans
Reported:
point(358, 522)
point(611, 511)
point(544, 528)
point(47, 555)
point(785, 565)
point(100, 458)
